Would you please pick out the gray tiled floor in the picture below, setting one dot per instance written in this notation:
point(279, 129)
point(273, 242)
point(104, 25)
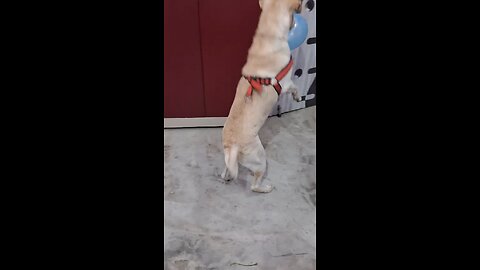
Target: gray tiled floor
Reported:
point(211, 225)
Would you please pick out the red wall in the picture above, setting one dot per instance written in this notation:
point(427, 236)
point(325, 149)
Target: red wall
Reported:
point(206, 44)
point(183, 87)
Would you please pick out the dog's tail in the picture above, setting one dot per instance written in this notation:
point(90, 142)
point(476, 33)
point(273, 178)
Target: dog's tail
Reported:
point(231, 155)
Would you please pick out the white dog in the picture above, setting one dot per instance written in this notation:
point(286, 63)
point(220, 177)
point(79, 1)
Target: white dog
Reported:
point(266, 75)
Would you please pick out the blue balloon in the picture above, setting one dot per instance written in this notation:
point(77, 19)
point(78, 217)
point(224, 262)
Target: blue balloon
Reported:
point(298, 33)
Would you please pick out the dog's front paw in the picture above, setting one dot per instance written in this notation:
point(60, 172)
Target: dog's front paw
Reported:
point(297, 98)
point(295, 94)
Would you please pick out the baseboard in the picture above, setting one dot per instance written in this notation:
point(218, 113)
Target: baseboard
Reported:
point(194, 122)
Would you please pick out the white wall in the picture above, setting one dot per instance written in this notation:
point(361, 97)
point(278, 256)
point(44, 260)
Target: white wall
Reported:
point(303, 59)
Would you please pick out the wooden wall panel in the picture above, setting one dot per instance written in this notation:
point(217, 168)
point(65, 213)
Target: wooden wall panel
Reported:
point(227, 29)
point(183, 80)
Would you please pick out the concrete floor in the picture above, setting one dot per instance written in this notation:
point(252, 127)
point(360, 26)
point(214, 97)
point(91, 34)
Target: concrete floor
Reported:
point(212, 225)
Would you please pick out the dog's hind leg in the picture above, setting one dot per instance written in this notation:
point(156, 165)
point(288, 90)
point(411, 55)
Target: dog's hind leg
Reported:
point(258, 175)
point(226, 175)
point(256, 161)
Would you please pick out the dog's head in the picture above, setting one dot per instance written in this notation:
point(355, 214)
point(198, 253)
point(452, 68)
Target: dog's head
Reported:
point(293, 6)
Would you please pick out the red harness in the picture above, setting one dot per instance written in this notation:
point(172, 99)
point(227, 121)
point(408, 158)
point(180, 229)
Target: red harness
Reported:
point(256, 83)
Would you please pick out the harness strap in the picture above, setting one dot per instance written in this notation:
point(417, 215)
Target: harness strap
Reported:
point(285, 70)
point(256, 83)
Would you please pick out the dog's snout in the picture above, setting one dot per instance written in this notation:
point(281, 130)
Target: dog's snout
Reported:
point(299, 7)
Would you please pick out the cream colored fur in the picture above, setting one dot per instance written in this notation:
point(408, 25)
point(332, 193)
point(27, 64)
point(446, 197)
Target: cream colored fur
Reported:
point(268, 54)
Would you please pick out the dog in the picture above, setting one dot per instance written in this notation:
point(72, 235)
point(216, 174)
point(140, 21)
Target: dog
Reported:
point(266, 75)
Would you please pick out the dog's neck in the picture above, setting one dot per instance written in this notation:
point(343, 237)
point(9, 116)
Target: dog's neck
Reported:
point(269, 51)
point(274, 21)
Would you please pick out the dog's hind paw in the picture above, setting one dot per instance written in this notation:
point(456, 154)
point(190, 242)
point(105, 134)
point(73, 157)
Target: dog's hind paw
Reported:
point(267, 188)
point(226, 175)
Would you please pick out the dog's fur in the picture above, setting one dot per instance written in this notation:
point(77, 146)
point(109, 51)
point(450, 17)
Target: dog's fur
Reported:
point(268, 55)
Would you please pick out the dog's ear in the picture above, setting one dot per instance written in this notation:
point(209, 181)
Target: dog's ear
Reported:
point(260, 3)
point(295, 5)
